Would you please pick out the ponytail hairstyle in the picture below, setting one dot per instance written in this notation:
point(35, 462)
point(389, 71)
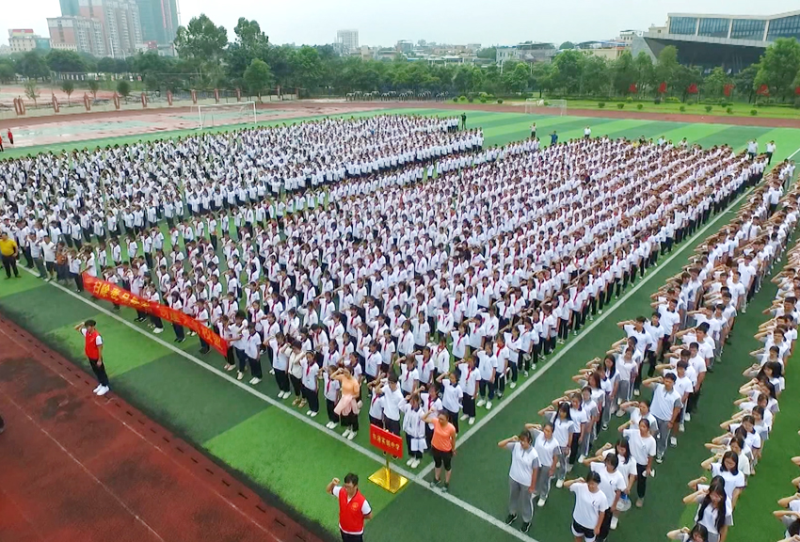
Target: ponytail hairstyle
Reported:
point(717, 487)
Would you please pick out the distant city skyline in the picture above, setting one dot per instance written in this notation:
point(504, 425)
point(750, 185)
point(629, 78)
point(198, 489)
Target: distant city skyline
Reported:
point(443, 21)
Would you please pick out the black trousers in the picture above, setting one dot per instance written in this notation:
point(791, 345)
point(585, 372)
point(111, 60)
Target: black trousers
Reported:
point(99, 371)
point(10, 264)
point(352, 537)
point(641, 480)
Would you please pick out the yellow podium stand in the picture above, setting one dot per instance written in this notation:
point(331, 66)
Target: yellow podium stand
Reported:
point(388, 479)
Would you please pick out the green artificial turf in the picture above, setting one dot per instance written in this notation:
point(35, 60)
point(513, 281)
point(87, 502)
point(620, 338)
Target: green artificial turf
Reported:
point(294, 461)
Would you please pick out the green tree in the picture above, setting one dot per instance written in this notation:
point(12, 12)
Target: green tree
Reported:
point(32, 90)
point(566, 46)
point(667, 66)
point(489, 53)
point(201, 45)
point(714, 83)
point(745, 81)
point(7, 72)
point(645, 72)
point(94, 86)
point(68, 87)
point(258, 77)
point(568, 67)
point(516, 80)
point(778, 67)
point(596, 75)
point(307, 67)
point(124, 88)
point(32, 66)
point(65, 61)
point(624, 73)
point(542, 77)
point(684, 77)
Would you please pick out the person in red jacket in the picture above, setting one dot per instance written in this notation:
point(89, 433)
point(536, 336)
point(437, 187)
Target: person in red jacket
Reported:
point(10, 136)
point(354, 509)
point(94, 351)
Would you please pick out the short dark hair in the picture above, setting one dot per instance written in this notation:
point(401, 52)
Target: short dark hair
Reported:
point(351, 478)
point(90, 323)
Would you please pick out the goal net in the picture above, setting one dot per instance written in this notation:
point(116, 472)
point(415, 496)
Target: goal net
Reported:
point(560, 105)
point(531, 104)
point(211, 115)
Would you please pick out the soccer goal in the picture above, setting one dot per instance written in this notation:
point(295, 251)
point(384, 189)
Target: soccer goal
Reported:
point(211, 115)
point(560, 105)
point(531, 104)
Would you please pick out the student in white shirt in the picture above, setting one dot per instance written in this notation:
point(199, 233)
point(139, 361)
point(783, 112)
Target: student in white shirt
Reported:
point(643, 449)
point(522, 477)
point(591, 506)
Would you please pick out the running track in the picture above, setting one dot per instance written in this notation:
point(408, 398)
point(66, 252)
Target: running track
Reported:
point(75, 467)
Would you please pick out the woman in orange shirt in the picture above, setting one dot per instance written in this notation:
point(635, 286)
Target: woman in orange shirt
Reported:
point(443, 446)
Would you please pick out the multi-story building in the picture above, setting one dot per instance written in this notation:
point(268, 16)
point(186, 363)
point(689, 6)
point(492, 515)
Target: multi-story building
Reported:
point(69, 8)
point(81, 34)
point(527, 52)
point(22, 40)
point(159, 20)
point(731, 41)
point(347, 41)
point(122, 28)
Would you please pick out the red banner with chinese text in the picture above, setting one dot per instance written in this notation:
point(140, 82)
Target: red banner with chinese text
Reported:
point(119, 296)
point(385, 441)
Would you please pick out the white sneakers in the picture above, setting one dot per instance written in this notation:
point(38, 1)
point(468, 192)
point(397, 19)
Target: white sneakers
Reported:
point(559, 483)
point(472, 421)
point(673, 442)
point(464, 417)
point(481, 402)
point(681, 427)
point(488, 405)
point(97, 388)
point(415, 464)
point(614, 522)
point(687, 417)
point(255, 380)
point(102, 390)
point(512, 385)
point(541, 502)
point(239, 376)
point(158, 330)
point(352, 435)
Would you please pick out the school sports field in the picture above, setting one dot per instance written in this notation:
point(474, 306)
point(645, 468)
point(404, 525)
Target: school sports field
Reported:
point(283, 454)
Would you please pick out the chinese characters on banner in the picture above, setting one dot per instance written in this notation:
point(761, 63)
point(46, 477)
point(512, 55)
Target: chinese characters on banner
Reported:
point(119, 296)
point(385, 441)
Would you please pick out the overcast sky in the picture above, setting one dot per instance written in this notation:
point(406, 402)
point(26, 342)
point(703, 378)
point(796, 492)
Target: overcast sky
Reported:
point(381, 22)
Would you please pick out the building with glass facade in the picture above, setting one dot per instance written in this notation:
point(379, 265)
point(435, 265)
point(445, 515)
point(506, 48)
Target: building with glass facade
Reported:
point(731, 41)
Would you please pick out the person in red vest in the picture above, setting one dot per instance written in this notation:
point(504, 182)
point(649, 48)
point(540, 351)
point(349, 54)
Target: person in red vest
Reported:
point(353, 508)
point(10, 136)
point(94, 351)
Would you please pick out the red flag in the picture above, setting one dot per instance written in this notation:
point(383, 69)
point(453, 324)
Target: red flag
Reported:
point(662, 88)
point(727, 89)
point(632, 89)
point(692, 89)
point(763, 90)
point(797, 90)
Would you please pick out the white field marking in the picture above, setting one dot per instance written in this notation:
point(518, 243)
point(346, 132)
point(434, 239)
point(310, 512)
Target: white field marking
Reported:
point(417, 478)
point(85, 469)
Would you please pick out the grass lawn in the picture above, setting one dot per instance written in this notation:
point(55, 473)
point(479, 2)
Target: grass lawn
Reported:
point(739, 109)
point(290, 457)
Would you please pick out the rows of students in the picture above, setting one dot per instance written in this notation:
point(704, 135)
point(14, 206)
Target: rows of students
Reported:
point(708, 293)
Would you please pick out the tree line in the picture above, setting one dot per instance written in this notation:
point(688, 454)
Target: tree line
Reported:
point(207, 60)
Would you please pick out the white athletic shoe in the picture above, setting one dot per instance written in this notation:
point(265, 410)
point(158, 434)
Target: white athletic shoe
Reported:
point(272, 371)
point(614, 522)
point(512, 385)
point(636, 393)
point(415, 464)
point(620, 413)
point(541, 502)
point(252, 380)
point(525, 374)
point(681, 427)
point(472, 421)
point(673, 442)
point(330, 425)
point(687, 417)
point(559, 483)
point(97, 388)
point(255, 381)
point(346, 433)
point(488, 405)
point(410, 461)
point(481, 402)
point(239, 376)
point(314, 414)
point(158, 330)
point(581, 458)
point(464, 418)
point(103, 390)
point(308, 413)
point(352, 435)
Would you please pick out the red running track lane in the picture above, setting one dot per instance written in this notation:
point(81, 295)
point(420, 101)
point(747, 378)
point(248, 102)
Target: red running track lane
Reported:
point(77, 467)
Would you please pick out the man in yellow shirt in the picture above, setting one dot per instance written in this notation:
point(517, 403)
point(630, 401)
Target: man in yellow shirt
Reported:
point(9, 251)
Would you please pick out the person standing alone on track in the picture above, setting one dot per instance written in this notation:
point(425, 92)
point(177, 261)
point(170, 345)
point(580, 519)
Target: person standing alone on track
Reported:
point(353, 508)
point(94, 351)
